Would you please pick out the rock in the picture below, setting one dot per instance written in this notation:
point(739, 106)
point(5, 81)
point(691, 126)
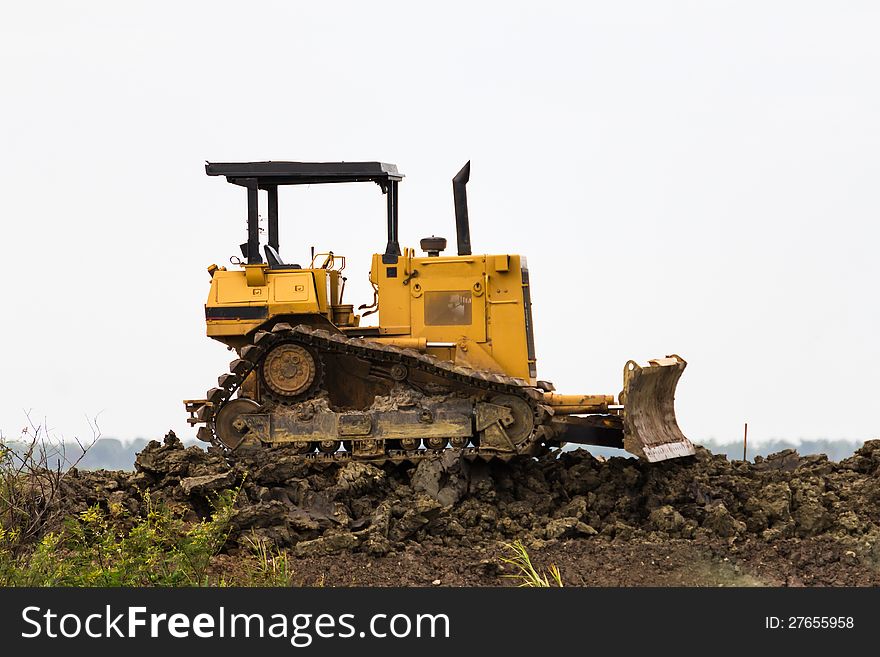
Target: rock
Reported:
point(811, 518)
point(278, 470)
point(581, 477)
point(866, 459)
point(207, 483)
point(422, 512)
point(376, 545)
point(143, 480)
point(454, 528)
point(567, 528)
point(263, 514)
point(850, 522)
point(359, 478)
point(666, 519)
point(787, 460)
point(444, 479)
point(560, 528)
point(619, 531)
point(720, 522)
point(775, 501)
point(408, 525)
point(778, 532)
point(756, 519)
point(279, 536)
point(577, 508)
point(302, 522)
point(170, 459)
point(260, 494)
point(171, 440)
point(380, 521)
point(631, 476)
point(327, 544)
point(428, 507)
point(583, 529)
point(508, 527)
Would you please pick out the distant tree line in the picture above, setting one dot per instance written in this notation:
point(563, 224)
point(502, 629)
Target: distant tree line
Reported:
point(104, 454)
point(836, 450)
point(115, 454)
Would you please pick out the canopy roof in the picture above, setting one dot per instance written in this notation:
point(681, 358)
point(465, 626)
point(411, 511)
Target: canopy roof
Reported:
point(304, 173)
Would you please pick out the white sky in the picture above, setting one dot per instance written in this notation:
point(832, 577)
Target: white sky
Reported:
point(688, 177)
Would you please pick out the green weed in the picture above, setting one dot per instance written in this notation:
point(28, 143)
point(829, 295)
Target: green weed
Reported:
point(526, 573)
point(271, 566)
point(93, 549)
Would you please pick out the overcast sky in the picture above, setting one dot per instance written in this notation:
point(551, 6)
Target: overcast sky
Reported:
point(696, 178)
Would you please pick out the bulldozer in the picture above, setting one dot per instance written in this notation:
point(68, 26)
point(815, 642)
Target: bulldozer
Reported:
point(451, 363)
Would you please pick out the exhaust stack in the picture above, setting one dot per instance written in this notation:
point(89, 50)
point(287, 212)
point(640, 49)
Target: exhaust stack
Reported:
point(462, 223)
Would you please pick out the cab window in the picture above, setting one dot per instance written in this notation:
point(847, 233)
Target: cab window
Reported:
point(451, 308)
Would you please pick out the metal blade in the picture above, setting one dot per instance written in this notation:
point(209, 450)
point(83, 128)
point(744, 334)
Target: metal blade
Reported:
point(649, 425)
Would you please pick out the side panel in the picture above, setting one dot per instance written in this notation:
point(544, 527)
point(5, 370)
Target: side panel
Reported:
point(394, 293)
point(292, 288)
point(509, 317)
point(237, 306)
point(449, 301)
point(483, 298)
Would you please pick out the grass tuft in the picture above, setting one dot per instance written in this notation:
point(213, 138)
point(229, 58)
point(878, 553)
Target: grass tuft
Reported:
point(272, 567)
point(526, 573)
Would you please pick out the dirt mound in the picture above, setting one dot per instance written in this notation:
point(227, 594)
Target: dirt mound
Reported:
point(778, 510)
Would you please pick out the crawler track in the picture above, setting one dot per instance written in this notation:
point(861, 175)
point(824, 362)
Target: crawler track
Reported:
point(444, 377)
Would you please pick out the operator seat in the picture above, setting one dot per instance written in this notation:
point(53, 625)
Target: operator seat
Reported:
point(274, 259)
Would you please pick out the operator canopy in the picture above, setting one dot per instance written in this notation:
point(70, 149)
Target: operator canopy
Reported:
point(268, 175)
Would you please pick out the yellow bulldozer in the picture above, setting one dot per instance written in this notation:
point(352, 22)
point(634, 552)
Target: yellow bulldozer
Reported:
point(451, 364)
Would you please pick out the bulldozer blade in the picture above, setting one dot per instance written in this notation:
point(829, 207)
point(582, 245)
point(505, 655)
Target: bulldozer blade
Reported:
point(650, 429)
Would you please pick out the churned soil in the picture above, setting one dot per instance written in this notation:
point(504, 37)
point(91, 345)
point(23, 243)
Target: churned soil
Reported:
point(787, 520)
